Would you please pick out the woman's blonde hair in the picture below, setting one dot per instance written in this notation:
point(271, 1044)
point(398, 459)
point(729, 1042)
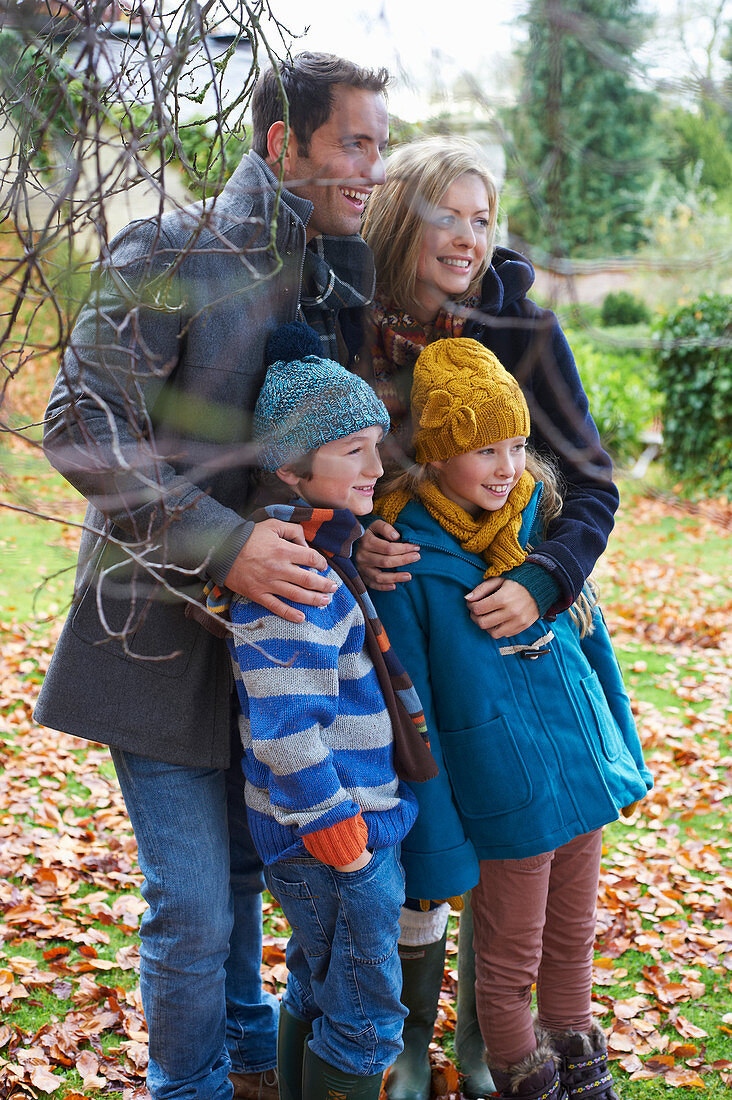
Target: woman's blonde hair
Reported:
point(417, 177)
point(541, 468)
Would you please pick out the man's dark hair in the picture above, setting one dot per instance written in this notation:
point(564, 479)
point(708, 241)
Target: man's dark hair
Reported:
point(308, 80)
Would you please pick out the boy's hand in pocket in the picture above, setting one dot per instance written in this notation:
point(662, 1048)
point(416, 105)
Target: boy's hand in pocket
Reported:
point(357, 864)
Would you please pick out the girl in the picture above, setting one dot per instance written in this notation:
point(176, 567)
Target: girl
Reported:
point(533, 734)
point(432, 227)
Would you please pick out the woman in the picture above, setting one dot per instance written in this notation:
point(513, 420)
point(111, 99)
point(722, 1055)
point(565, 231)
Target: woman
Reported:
point(431, 227)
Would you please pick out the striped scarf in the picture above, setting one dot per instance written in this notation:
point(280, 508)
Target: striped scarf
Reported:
point(333, 532)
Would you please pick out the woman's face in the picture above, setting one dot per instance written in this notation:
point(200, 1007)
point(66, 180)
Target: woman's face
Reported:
point(454, 246)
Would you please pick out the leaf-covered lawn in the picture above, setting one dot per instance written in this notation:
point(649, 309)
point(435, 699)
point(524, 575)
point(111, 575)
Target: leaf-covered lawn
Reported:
point(71, 1022)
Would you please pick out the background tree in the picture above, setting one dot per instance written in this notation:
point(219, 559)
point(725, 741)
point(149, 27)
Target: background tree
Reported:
point(698, 146)
point(726, 54)
point(582, 153)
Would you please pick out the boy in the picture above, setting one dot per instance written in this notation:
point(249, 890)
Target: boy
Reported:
point(322, 702)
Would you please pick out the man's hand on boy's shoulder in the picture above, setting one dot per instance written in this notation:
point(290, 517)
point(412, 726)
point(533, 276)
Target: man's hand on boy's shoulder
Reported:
point(380, 549)
point(276, 562)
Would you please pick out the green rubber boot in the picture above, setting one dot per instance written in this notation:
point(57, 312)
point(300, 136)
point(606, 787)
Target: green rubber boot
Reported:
point(292, 1036)
point(422, 969)
point(321, 1081)
point(469, 1048)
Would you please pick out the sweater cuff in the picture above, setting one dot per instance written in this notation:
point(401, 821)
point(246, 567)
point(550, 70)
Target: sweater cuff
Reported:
point(538, 582)
point(223, 556)
point(340, 843)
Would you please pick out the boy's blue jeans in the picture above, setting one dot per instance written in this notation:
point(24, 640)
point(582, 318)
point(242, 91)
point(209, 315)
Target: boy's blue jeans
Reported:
point(201, 938)
point(345, 973)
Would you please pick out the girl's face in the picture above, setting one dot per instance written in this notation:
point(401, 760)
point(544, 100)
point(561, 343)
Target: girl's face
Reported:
point(480, 481)
point(454, 246)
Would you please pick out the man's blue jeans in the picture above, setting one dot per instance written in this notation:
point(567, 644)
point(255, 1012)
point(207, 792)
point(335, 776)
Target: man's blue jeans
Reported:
point(344, 969)
point(201, 938)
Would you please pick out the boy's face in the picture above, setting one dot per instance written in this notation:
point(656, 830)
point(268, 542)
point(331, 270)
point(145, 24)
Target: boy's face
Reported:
point(480, 481)
point(343, 473)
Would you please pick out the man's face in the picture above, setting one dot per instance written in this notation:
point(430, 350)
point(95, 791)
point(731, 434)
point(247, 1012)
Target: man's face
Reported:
point(343, 163)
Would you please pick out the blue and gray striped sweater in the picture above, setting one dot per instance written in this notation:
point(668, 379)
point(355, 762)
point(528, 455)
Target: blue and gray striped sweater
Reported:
point(316, 733)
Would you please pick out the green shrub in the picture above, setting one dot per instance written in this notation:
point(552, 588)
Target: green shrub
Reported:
point(208, 158)
point(623, 308)
point(205, 155)
point(42, 98)
point(619, 387)
point(694, 355)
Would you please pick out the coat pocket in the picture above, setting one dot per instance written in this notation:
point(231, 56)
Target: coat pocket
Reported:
point(610, 738)
point(486, 769)
point(140, 623)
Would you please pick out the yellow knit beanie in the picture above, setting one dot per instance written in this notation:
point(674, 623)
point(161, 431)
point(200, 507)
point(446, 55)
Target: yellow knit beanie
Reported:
point(463, 399)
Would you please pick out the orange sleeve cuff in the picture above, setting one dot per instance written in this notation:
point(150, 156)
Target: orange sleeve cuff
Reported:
point(340, 843)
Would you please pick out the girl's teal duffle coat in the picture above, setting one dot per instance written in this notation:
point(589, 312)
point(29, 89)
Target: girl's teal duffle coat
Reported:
point(532, 750)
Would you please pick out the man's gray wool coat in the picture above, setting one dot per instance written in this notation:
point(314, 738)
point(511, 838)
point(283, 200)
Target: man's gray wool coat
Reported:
point(149, 419)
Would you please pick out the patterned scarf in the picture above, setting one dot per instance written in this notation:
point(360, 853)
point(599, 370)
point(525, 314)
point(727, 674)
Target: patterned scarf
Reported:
point(396, 341)
point(492, 535)
point(325, 293)
point(333, 532)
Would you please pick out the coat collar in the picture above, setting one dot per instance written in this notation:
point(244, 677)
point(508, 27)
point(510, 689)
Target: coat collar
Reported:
point(253, 184)
point(303, 208)
point(342, 267)
point(508, 279)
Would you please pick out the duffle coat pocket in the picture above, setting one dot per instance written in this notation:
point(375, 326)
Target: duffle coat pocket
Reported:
point(610, 738)
point(478, 761)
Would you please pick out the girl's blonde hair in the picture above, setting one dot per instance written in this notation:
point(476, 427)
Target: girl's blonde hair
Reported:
point(417, 177)
point(541, 469)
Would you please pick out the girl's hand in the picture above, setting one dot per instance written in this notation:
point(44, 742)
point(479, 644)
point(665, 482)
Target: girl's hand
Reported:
point(502, 607)
point(380, 548)
point(363, 860)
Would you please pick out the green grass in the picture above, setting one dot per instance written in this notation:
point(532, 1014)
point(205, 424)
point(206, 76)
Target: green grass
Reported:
point(647, 672)
point(37, 571)
point(661, 565)
point(676, 537)
point(38, 555)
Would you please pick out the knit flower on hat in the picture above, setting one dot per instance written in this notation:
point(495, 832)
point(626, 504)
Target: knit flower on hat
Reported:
point(445, 410)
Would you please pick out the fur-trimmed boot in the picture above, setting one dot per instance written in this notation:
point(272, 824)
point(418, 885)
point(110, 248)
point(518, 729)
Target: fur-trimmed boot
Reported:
point(535, 1077)
point(582, 1058)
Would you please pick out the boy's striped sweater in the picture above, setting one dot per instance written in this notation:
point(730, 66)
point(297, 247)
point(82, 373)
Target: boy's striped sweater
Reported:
point(316, 734)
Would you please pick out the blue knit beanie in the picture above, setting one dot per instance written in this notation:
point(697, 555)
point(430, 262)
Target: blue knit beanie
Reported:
point(307, 400)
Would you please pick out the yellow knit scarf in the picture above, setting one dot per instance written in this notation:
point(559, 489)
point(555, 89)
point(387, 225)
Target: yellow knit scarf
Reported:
point(492, 535)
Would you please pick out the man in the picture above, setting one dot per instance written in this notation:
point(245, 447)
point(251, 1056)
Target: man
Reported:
point(149, 419)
